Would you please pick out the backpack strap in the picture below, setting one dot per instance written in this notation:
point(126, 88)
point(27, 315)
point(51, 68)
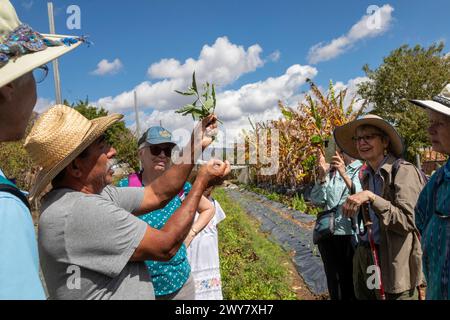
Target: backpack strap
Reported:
point(396, 167)
point(9, 187)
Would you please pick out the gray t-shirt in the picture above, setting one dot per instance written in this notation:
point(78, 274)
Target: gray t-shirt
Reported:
point(85, 244)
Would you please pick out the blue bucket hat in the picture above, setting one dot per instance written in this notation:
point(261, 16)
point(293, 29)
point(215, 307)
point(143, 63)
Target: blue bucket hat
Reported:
point(156, 135)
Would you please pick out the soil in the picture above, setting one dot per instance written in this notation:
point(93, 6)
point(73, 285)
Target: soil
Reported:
point(299, 286)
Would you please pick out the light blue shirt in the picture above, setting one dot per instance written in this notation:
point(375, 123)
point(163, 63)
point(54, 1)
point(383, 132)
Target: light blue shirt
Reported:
point(331, 194)
point(19, 264)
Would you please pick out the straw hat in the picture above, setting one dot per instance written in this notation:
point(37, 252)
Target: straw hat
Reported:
point(22, 49)
point(58, 137)
point(440, 103)
point(344, 135)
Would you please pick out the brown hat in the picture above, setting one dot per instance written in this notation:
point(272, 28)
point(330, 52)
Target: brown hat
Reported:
point(58, 137)
point(344, 135)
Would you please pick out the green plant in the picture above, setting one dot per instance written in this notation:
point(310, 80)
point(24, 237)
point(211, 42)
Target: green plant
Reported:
point(204, 104)
point(274, 197)
point(252, 267)
point(299, 203)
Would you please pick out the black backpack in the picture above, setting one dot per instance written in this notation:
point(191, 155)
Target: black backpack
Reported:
point(9, 187)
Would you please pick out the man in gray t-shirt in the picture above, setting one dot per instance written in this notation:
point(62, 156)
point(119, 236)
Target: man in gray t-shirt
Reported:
point(92, 245)
point(88, 241)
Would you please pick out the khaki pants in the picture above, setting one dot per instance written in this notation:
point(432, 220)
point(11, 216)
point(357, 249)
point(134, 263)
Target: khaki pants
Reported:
point(361, 261)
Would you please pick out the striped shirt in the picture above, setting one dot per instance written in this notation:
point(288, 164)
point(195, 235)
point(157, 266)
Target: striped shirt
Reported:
point(433, 222)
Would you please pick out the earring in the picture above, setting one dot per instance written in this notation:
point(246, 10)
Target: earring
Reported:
point(385, 152)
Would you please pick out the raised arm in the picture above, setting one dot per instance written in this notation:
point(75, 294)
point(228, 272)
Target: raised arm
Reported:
point(162, 245)
point(162, 190)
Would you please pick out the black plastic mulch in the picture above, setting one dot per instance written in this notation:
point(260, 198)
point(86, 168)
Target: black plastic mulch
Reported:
point(288, 234)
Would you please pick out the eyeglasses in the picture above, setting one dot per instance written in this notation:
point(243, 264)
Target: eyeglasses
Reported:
point(366, 138)
point(40, 73)
point(156, 150)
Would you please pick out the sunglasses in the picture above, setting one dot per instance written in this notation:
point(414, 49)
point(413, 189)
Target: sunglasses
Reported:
point(156, 150)
point(366, 138)
point(40, 73)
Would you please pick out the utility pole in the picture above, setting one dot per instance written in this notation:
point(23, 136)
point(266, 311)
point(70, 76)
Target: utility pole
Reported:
point(138, 127)
point(51, 21)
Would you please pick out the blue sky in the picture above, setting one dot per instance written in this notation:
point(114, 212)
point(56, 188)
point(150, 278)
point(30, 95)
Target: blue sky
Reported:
point(247, 47)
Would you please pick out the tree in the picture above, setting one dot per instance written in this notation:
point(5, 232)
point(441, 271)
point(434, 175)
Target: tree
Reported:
point(407, 73)
point(15, 162)
point(118, 135)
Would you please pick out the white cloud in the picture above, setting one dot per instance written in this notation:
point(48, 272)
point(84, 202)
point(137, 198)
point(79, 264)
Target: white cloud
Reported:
point(352, 91)
point(42, 104)
point(257, 97)
point(222, 63)
point(371, 25)
point(105, 67)
point(258, 100)
point(275, 56)
point(158, 102)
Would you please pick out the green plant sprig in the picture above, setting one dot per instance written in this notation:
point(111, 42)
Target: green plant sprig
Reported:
point(204, 104)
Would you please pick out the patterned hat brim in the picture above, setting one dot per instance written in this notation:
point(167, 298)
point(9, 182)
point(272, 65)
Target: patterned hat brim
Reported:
point(17, 67)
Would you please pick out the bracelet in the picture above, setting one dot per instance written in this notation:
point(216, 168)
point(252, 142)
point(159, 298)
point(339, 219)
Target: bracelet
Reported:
point(372, 198)
point(195, 231)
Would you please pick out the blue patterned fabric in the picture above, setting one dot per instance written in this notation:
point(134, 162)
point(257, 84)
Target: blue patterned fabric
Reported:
point(24, 40)
point(433, 222)
point(168, 277)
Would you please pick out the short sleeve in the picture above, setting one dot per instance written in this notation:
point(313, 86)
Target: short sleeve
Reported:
point(129, 199)
point(19, 267)
point(219, 214)
point(101, 236)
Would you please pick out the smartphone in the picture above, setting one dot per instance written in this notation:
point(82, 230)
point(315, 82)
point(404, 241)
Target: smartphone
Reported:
point(330, 149)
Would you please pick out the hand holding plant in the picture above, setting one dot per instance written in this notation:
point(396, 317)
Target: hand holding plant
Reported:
point(204, 104)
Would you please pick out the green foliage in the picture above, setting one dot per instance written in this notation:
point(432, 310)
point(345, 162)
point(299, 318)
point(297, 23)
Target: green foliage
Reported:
point(296, 202)
point(407, 73)
point(299, 203)
point(252, 267)
point(15, 161)
point(118, 135)
point(207, 101)
point(273, 196)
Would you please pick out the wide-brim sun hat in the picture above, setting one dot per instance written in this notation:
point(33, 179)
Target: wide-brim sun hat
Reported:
point(439, 103)
point(22, 49)
point(59, 136)
point(343, 135)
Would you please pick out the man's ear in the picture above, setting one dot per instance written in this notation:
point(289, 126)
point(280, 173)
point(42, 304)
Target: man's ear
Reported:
point(7, 91)
point(73, 169)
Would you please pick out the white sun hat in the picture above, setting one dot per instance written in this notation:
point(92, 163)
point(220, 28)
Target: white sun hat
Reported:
point(440, 103)
point(22, 49)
